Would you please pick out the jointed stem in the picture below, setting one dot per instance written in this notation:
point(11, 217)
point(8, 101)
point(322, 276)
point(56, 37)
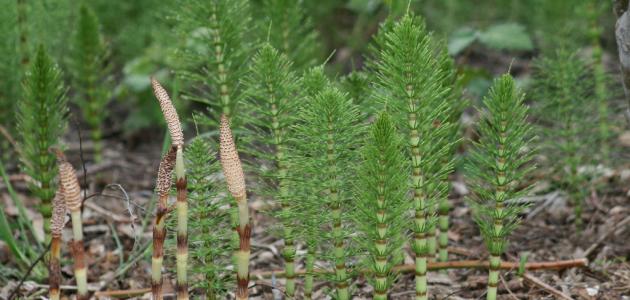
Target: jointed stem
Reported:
point(182, 225)
point(80, 268)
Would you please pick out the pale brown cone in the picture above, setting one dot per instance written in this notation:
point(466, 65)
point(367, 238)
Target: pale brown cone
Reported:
point(230, 161)
point(164, 178)
point(58, 219)
point(170, 114)
point(69, 183)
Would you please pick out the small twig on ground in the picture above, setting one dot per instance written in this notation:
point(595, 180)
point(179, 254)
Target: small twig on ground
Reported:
point(507, 288)
point(551, 290)
point(122, 293)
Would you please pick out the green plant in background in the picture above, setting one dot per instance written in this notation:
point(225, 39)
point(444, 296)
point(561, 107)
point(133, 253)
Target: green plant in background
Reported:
point(88, 65)
point(328, 133)
point(506, 36)
point(272, 93)
point(209, 235)
point(216, 55)
point(595, 10)
point(290, 30)
point(498, 166)
point(357, 85)
point(381, 204)
point(411, 80)
point(10, 71)
point(562, 93)
point(41, 116)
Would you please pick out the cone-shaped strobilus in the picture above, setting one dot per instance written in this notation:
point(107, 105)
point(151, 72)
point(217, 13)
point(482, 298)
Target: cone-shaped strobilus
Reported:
point(412, 81)
point(235, 178)
point(381, 204)
point(497, 169)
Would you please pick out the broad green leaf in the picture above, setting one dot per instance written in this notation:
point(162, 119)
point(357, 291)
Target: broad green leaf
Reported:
point(509, 36)
point(461, 39)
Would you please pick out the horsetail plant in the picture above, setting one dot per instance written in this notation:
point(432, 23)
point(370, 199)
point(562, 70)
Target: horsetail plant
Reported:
point(89, 72)
point(452, 139)
point(209, 235)
point(381, 202)
point(291, 31)
point(233, 171)
point(562, 89)
point(328, 132)
point(163, 189)
point(41, 119)
point(177, 140)
point(217, 56)
point(307, 191)
point(72, 197)
point(410, 80)
point(272, 89)
point(57, 222)
point(497, 168)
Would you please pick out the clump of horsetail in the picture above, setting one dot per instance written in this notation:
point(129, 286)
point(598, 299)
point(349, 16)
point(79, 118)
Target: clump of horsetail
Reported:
point(381, 203)
point(563, 97)
point(272, 88)
point(177, 138)
point(233, 171)
point(57, 222)
point(72, 197)
point(327, 134)
point(410, 80)
point(497, 168)
point(41, 116)
point(90, 75)
point(163, 189)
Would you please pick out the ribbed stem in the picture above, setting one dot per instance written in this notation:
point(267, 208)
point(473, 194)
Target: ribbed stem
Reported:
point(337, 230)
point(443, 224)
point(432, 243)
point(310, 269)
point(243, 254)
point(80, 268)
point(219, 54)
point(182, 226)
point(54, 268)
point(159, 234)
point(97, 136)
point(493, 277)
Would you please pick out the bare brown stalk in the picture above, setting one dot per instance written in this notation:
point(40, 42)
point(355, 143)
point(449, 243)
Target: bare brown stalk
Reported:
point(177, 137)
point(72, 196)
point(163, 187)
point(233, 171)
point(57, 223)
